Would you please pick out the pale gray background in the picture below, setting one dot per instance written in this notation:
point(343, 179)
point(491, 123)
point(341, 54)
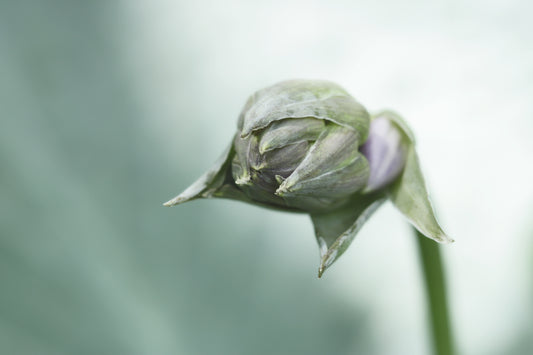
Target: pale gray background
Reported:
point(109, 108)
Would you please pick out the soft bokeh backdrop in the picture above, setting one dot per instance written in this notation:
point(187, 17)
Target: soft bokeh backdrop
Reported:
point(108, 108)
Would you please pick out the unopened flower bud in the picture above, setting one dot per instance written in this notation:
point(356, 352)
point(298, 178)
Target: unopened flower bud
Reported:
point(297, 146)
point(308, 146)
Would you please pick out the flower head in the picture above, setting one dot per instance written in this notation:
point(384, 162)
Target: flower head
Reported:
point(297, 146)
point(308, 146)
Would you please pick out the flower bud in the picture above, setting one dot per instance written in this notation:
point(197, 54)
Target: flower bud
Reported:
point(307, 146)
point(297, 146)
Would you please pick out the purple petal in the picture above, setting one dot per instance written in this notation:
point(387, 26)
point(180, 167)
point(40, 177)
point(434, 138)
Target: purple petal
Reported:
point(385, 151)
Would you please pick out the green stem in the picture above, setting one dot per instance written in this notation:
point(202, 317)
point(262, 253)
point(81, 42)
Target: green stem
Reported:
point(436, 294)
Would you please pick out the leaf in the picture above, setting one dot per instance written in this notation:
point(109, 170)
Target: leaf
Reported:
point(336, 230)
point(213, 183)
point(409, 193)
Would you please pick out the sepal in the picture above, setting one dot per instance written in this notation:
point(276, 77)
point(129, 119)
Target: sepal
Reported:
point(213, 183)
point(336, 230)
point(409, 193)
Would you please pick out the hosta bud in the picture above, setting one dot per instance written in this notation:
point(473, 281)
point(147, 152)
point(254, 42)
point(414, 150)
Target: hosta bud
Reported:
point(297, 146)
point(308, 146)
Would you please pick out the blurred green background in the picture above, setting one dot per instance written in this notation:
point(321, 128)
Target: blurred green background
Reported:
point(109, 108)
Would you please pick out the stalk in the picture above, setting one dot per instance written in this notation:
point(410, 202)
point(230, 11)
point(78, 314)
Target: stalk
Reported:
point(435, 285)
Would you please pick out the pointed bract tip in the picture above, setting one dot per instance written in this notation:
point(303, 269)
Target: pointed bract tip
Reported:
point(321, 270)
point(326, 259)
point(259, 167)
point(440, 238)
point(280, 191)
point(283, 189)
point(444, 239)
point(243, 180)
point(324, 264)
point(263, 148)
point(245, 134)
point(176, 200)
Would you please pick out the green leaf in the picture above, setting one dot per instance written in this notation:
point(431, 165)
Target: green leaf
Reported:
point(409, 193)
point(336, 230)
point(213, 183)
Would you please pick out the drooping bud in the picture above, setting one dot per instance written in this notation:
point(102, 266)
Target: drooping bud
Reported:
point(297, 146)
point(307, 146)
